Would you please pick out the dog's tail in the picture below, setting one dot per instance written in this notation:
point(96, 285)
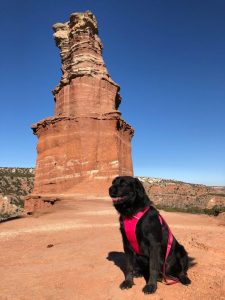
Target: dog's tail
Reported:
point(182, 256)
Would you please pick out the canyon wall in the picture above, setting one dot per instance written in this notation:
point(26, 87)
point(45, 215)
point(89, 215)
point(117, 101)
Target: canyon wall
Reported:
point(181, 196)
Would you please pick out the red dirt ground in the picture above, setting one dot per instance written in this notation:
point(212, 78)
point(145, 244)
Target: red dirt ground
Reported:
point(75, 253)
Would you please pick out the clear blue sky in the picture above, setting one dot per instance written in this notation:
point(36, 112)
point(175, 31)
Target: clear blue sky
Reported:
point(167, 56)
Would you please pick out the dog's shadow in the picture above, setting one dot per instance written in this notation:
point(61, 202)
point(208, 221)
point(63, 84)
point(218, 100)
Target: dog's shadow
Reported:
point(119, 260)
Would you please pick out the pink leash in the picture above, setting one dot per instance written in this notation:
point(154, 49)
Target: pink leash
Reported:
point(169, 245)
point(130, 230)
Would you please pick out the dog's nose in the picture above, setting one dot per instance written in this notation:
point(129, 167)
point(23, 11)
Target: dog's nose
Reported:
point(112, 191)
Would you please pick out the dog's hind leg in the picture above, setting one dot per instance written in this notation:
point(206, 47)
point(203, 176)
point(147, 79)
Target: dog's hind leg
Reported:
point(184, 279)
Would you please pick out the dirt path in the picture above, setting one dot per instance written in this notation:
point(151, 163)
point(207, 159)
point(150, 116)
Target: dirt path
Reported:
point(76, 253)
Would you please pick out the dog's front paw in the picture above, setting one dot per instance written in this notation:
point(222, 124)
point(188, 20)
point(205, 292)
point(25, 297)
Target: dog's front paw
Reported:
point(149, 288)
point(184, 280)
point(126, 284)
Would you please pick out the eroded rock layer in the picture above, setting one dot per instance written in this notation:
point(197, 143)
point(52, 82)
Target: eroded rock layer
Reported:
point(86, 143)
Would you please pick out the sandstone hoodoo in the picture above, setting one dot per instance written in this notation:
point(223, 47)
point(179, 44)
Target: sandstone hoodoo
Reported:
point(86, 143)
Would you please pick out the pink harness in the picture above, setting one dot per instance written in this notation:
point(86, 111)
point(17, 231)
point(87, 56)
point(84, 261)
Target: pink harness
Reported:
point(130, 230)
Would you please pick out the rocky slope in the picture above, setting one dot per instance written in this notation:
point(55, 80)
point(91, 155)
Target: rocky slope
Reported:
point(181, 196)
point(15, 183)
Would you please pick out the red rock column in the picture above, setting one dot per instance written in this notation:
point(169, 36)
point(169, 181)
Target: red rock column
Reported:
point(86, 143)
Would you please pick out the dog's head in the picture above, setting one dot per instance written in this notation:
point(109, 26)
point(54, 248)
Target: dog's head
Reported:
point(128, 195)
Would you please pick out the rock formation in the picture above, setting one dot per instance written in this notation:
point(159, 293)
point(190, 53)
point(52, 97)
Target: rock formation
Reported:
point(86, 143)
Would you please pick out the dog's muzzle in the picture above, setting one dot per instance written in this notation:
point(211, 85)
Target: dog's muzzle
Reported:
point(118, 199)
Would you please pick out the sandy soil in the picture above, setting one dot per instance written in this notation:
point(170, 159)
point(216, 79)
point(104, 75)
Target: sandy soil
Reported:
point(75, 252)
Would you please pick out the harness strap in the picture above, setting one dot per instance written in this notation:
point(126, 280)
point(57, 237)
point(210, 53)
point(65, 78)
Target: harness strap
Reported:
point(130, 229)
point(169, 245)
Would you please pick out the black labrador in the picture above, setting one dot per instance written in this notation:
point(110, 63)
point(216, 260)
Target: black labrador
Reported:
point(129, 198)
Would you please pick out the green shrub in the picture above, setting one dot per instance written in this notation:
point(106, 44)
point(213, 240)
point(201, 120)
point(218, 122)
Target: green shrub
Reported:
point(214, 211)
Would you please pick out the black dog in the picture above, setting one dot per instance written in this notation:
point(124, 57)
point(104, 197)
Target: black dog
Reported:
point(129, 198)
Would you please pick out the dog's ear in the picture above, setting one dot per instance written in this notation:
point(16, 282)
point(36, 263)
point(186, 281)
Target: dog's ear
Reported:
point(114, 180)
point(139, 188)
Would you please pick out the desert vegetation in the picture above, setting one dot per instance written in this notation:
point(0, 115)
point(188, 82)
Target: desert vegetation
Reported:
point(15, 184)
